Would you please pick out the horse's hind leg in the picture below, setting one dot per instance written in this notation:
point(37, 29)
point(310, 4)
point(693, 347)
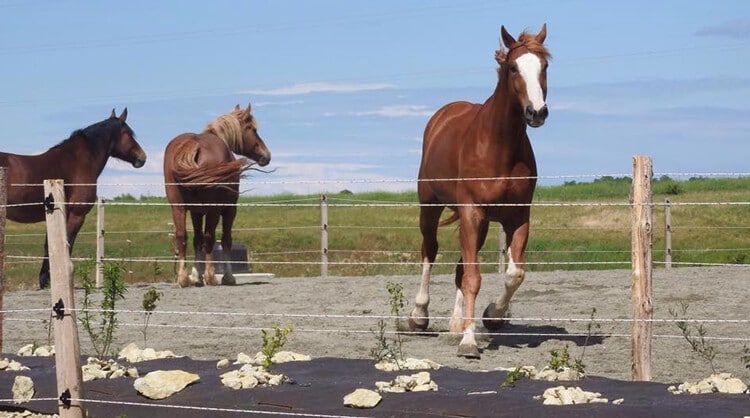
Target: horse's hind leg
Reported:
point(209, 239)
point(227, 219)
point(429, 217)
point(196, 276)
point(514, 275)
point(180, 243)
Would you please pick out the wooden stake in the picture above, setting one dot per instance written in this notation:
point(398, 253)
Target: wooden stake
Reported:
point(641, 261)
point(67, 347)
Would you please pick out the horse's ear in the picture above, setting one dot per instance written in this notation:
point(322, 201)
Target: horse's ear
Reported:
point(508, 39)
point(248, 109)
point(123, 115)
point(113, 115)
point(236, 107)
point(542, 35)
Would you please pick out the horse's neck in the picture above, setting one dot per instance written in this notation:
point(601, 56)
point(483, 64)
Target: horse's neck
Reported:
point(69, 156)
point(500, 119)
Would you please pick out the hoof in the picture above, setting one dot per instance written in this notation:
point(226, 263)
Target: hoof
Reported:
point(468, 351)
point(228, 280)
point(489, 322)
point(418, 324)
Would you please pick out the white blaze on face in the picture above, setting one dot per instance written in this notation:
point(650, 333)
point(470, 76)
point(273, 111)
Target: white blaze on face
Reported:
point(530, 67)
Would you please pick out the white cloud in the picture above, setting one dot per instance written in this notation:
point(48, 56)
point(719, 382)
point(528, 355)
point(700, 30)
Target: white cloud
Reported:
point(320, 87)
point(398, 111)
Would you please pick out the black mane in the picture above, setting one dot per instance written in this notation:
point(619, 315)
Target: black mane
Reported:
point(95, 136)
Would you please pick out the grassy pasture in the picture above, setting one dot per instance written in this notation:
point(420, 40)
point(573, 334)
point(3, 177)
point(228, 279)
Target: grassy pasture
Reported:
point(575, 226)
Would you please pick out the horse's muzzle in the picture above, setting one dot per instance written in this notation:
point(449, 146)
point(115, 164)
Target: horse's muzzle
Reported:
point(140, 161)
point(536, 118)
point(263, 160)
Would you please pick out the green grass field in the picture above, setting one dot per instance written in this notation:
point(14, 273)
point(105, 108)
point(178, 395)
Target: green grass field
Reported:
point(575, 226)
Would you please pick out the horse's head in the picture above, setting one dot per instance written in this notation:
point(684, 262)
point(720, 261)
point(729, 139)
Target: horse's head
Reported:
point(252, 145)
point(125, 146)
point(523, 68)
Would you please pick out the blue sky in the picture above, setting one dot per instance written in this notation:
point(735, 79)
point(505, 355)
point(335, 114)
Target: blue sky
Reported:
point(342, 89)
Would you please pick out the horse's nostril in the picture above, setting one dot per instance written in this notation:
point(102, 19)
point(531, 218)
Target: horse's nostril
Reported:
point(529, 111)
point(543, 112)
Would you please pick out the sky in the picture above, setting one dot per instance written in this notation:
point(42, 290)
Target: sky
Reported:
point(342, 90)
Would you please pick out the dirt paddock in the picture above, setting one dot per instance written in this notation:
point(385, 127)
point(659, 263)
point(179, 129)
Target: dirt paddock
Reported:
point(336, 317)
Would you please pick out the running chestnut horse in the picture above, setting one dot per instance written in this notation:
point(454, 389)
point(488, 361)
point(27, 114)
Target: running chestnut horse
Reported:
point(78, 161)
point(201, 175)
point(477, 161)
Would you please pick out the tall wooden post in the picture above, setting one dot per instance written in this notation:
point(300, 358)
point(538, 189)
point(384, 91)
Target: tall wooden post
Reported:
point(641, 260)
point(3, 213)
point(67, 347)
point(323, 236)
point(99, 243)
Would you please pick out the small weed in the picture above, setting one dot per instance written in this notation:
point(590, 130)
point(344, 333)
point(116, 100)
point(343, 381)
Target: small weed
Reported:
point(698, 342)
point(745, 359)
point(385, 350)
point(397, 301)
point(559, 360)
point(273, 342)
point(101, 334)
point(149, 304)
point(514, 375)
point(592, 324)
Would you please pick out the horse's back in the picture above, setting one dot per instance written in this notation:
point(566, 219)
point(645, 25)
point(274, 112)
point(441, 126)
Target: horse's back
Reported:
point(440, 148)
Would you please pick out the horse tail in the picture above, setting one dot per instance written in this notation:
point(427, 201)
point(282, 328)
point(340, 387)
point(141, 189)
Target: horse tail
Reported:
point(453, 218)
point(187, 170)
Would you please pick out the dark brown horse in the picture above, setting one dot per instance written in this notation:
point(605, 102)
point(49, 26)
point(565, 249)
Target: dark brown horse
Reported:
point(482, 158)
point(78, 161)
point(201, 175)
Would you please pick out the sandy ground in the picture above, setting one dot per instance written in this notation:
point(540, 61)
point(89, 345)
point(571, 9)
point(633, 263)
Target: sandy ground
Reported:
point(336, 317)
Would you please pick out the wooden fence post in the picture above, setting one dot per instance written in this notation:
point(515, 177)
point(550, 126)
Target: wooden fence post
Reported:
point(3, 213)
point(67, 348)
point(323, 236)
point(99, 243)
point(667, 234)
point(641, 263)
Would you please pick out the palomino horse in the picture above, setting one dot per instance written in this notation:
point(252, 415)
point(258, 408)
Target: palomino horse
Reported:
point(78, 161)
point(201, 175)
point(482, 160)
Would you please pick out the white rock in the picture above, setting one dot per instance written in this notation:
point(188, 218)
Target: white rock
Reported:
point(133, 354)
point(287, 356)
point(721, 382)
point(418, 382)
point(560, 395)
point(11, 365)
point(243, 358)
point(38, 351)
point(250, 376)
point(161, 384)
point(222, 364)
point(23, 389)
point(362, 398)
point(407, 364)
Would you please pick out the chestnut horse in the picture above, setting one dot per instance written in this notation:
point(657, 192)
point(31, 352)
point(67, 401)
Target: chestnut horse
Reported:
point(78, 161)
point(482, 160)
point(201, 175)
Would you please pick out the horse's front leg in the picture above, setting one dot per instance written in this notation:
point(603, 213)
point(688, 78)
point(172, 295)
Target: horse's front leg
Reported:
point(429, 217)
point(209, 239)
point(196, 277)
point(73, 224)
point(473, 231)
point(514, 275)
point(180, 244)
point(227, 219)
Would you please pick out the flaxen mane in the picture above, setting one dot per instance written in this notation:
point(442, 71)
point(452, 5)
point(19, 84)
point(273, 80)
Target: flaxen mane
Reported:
point(229, 130)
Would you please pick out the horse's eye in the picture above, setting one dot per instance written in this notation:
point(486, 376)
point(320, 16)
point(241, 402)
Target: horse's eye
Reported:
point(514, 68)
